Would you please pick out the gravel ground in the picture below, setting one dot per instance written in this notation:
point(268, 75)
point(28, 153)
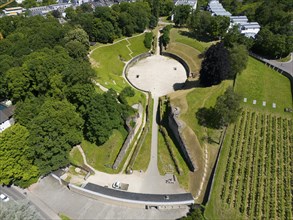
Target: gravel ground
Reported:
point(158, 74)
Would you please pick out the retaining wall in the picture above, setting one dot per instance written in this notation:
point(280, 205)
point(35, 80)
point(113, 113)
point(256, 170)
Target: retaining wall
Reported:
point(131, 63)
point(176, 126)
point(180, 60)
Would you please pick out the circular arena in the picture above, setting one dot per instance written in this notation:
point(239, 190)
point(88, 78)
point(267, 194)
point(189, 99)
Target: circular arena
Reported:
point(158, 74)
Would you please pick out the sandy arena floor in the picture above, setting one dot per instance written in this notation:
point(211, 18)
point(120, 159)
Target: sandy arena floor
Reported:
point(158, 74)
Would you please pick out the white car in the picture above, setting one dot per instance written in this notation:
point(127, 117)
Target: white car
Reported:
point(116, 185)
point(4, 197)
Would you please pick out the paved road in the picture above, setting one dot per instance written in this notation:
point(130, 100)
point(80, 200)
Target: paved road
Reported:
point(62, 200)
point(286, 66)
point(153, 166)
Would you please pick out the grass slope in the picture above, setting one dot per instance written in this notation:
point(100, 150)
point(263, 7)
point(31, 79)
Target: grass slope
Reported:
point(189, 101)
point(102, 157)
point(261, 83)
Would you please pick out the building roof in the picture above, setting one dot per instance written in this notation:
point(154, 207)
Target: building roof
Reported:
point(251, 25)
point(6, 113)
point(141, 197)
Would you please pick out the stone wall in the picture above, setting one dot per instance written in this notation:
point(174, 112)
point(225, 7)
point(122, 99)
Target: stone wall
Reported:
point(180, 60)
point(131, 63)
point(176, 126)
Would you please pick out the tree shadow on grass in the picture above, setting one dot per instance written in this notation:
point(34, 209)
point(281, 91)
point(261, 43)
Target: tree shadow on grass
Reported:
point(188, 84)
point(188, 34)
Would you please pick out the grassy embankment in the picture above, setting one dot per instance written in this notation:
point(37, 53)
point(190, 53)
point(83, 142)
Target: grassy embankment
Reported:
point(261, 158)
point(187, 48)
point(108, 61)
point(189, 101)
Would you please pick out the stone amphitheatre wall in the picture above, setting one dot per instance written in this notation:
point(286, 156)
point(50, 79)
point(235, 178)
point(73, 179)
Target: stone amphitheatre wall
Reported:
point(176, 126)
point(131, 63)
point(180, 60)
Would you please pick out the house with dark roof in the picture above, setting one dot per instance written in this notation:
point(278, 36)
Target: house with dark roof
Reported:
point(6, 119)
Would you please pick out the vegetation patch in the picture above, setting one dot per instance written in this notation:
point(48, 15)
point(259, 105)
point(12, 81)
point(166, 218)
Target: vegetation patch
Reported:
point(182, 35)
point(253, 178)
point(75, 157)
point(102, 157)
point(142, 155)
point(261, 83)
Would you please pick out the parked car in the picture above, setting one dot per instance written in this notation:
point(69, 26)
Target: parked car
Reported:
point(4, 197)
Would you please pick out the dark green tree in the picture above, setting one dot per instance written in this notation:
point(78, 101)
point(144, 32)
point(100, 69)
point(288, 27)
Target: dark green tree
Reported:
point(148, 39)
point(53, 132)
point(216, 65)
point(181, 14)
point(238, 58)
point(225, 111)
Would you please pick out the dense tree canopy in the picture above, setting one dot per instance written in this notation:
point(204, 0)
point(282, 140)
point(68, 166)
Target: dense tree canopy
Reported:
point(181, 14)
point(108, 23)
point(16, 160)
point(203, 25)
point(44, 70)
point(216, 65)
point(53, 132)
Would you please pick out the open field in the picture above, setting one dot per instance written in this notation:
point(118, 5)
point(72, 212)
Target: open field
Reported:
point(261, 83)
point(254, 176)
point(102, 157)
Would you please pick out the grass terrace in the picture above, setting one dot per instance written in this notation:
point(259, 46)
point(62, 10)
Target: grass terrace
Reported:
point(102, 157)
point(109, 60)
point(261, 83)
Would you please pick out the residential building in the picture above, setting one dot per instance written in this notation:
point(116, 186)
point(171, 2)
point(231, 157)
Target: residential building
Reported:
point(217, 9)
point(6, 119)
point(250, 29)
point(191, 3)
point(13, 11)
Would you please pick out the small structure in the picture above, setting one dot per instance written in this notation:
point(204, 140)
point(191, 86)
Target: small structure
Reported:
point(250, 29)
point(217, 9)
point(238, 20)
point(43, 10)
point(6, 119)
point(13, 11)
point(191, 3)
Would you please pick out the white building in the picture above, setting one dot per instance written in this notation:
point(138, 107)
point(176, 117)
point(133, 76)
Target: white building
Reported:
point(250, 29)
point(217, 9)
point(13, 11)
point(191, 3)
point(6, 119)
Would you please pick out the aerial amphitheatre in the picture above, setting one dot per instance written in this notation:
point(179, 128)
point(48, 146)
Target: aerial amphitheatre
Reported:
point(127, 114)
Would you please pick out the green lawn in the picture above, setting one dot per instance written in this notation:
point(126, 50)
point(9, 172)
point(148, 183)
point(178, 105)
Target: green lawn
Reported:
point(137, 45)
point(109, 60)
point(196, 99)
point(144, 155)
point(166, 164)
point(181, 36)
point(102, 157)
point(75, 157)
point(261, 83)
